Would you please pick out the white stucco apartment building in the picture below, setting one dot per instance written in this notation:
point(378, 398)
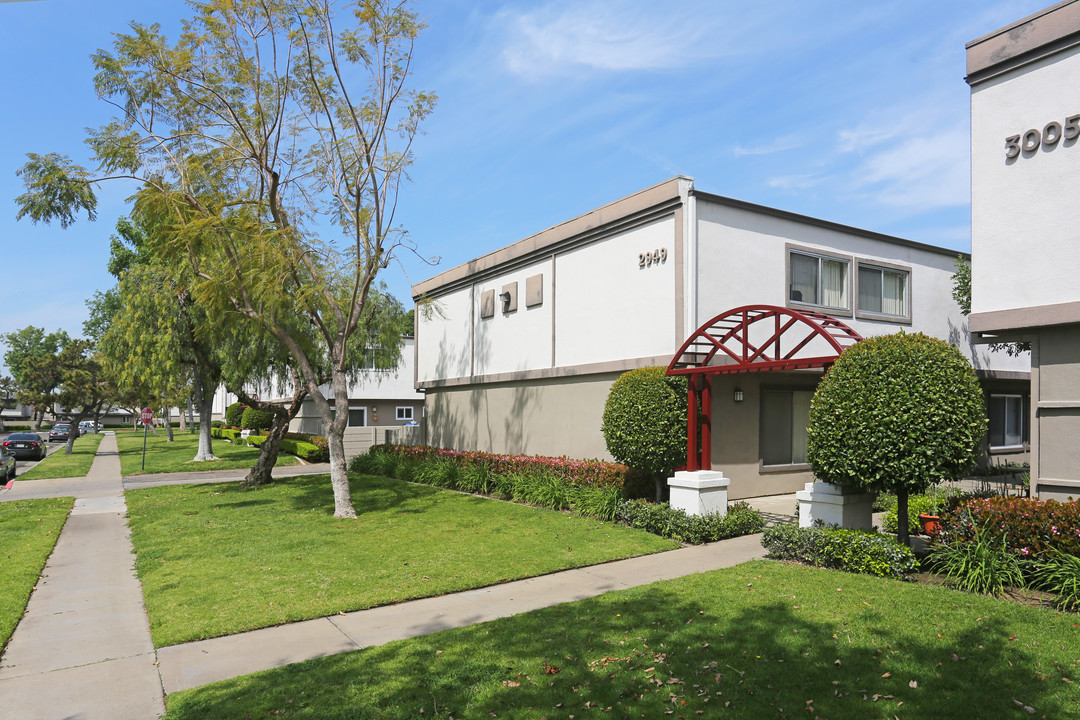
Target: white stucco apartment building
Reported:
point(1025, 162)
point(529, 338)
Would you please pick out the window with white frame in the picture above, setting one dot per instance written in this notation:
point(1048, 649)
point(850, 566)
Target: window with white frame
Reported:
point(1008, 421)
point(404, 413)
point(818, 280)
point(883, 290)
point(785, 415)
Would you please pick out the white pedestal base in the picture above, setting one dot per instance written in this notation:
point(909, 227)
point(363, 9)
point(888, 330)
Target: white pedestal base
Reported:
point(701, 492)
point(835, 505)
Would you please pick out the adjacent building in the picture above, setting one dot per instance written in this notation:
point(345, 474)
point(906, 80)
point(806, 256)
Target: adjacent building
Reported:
point(524, 343)
point(1025, 160)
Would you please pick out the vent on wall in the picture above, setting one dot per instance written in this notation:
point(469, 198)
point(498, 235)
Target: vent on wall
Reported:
point(508, 297)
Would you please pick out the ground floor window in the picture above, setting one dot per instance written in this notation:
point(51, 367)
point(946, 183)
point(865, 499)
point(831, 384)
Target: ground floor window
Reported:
point(357, 417)
point(784, 417)
point(1008, 421)
point(404, 413)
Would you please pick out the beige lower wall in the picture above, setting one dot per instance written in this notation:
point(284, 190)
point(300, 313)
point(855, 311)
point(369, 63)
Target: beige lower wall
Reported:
point(1056, 430)
point(540, 417)
point(382, 413)
point(563, 417)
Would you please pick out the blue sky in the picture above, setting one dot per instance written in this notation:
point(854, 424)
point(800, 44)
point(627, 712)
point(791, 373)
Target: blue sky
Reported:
point(853, 112)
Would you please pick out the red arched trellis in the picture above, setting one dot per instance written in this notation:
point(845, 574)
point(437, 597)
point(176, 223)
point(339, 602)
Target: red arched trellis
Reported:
point(752, 338)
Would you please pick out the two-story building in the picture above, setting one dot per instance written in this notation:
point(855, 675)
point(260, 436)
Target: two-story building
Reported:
point(528, 339)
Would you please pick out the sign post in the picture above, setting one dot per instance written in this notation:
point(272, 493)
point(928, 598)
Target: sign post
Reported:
point(147, 417)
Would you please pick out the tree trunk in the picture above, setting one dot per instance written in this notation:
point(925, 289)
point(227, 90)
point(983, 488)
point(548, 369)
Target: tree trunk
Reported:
point(902, 533)
point(260, 473)
point(191, 413)
point(205, 398)
point(183, 420)
point(39, 415)
point(335, 424)
point(166, 415)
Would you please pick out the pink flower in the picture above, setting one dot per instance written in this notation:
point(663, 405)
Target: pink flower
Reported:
point(1024, 551)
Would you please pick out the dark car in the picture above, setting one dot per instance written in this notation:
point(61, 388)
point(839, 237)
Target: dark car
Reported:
point(25, 445)
point(7, 465)
point(60, 431)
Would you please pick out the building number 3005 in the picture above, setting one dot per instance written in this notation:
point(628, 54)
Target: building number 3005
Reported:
point(647, 259)
point(1030, 141)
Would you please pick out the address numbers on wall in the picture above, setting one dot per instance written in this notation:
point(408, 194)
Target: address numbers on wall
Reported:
point(1051, 133)
point(648, 259)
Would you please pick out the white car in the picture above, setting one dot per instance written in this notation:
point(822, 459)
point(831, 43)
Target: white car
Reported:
point(88, 427)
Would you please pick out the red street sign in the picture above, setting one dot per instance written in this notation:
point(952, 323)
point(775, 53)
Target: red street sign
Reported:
point(147, 416)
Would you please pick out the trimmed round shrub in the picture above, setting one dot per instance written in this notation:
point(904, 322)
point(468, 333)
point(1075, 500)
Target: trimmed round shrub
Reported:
point(253, 419)
point(645, 420)
point(896, 413)
point(233, 413)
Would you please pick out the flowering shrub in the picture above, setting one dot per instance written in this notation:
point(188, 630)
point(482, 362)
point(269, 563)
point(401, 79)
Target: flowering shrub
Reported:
point(841, 549)
point(593, 473)
point(1030, 528)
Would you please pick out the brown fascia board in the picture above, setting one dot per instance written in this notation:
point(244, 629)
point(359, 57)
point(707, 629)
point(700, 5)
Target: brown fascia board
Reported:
point(663, 194)
point(828, 225)
point(1037, 36)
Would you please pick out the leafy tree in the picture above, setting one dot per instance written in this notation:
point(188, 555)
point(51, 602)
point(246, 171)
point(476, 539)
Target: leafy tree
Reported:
point(34, 387)
point(896, 413)
point(82, 390)
point(961, 293)
point(258, 119)
point(644, 422)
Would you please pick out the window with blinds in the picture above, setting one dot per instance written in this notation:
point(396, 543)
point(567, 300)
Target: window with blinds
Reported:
point(818, 280)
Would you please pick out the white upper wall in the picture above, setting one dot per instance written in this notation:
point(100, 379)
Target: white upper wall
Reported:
point(743, 258)
point(1025, 105)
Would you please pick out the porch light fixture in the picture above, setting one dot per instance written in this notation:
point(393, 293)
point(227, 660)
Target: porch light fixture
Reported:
point(738, 395)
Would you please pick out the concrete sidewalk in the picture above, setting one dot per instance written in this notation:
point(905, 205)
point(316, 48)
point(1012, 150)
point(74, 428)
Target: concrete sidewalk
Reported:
point(198, 663)
point(82, 649)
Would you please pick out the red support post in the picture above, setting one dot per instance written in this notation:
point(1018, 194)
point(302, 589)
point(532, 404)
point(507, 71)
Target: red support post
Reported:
point(691, 424)
point(706, 422)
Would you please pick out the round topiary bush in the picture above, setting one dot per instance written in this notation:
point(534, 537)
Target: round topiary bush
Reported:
point(234, 413)
point(253, 419)
point(896, 413)
point(645, 420)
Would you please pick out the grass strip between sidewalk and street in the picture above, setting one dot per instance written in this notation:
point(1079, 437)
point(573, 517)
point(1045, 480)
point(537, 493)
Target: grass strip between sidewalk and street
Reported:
point(60, 465)
point(163, 456)
point(760, 640)
point(217, 559)
point(28, 533)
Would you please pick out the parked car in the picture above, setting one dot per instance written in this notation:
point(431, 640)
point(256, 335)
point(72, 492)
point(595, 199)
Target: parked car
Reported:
point(60, 431)
point(7, 465)
point(89, 427)
point(25, 445)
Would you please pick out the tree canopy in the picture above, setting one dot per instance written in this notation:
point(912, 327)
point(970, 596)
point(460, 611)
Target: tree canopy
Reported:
point(274, 137)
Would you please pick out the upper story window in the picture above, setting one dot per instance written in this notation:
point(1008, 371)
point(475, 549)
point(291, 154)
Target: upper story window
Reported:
point(884, 291)
point(820, 280)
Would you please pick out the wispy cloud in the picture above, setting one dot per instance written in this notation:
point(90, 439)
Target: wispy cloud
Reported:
point(789, 142)
point(797, 182)
point(564, 37)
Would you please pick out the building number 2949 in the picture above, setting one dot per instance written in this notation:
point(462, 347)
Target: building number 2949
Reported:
point(1030, 141)
point(655, 257)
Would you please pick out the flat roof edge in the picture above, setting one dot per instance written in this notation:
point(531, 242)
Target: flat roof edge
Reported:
point(612, 212)
point(830, 225)
point(1038, 35)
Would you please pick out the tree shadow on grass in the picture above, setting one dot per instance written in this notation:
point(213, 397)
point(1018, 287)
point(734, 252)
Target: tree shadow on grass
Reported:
point(732, 643)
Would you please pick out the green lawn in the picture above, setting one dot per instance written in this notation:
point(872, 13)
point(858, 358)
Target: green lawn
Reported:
point(28, 533)
point(217, 559)
point(760, 640)
point(165, 457)
point(59, 465)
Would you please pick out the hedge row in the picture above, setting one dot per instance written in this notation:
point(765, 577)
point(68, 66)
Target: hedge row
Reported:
point(662, 519)
point(591, 473)
point(841, 549)
point(313, 448)
point(540, 483)
point(1030, 528)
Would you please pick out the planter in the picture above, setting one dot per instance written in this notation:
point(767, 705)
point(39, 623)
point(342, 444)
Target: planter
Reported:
point(931, 524)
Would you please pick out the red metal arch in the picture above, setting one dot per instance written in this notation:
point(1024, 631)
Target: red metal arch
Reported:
point(788, 333)
point(723, 346)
